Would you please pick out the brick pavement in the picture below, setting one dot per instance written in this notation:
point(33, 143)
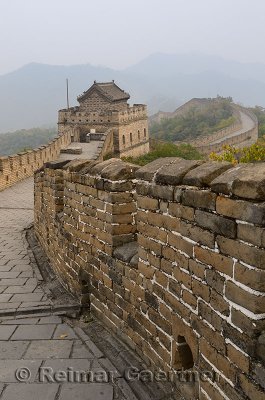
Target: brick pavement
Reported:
point(44, 354)
point(38, 342)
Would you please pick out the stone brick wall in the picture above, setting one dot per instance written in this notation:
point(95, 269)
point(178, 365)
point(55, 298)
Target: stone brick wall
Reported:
point(17, 167)
point(170, 257)
point(130, 124)
point(243, 139)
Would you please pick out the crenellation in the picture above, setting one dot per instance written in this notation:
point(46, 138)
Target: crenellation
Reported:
point(176, 270)
point(103, 107)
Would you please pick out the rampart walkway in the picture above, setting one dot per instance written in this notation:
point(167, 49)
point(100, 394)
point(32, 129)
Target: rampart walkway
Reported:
point(42, 355)
point(247, 124)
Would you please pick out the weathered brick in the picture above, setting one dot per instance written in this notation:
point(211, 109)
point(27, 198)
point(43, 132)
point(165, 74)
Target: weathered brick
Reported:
point(219, 304)
point(250, 326)
point(181, 211)
point(174, 173)
point(180, 243)
point(248, 300)
point(163, 192)
point(251, 234)
point(212, 391)
point(216, 223)
point(197, 268)
point(161, 279)
point(205, 173)
point(153, 232)
point(189, 298)
point(249, 254)
point(218, 261)
point(200, 289)
point(238, 358)
point(166, 266)
point(125, 208)
point(215, 280)
point(253, 278)
point(147, 172)
point(209, 315)
point(242, 210)
point(176, 306)
point(203, 329)
point(159, 321)
point(182, 277)
point(151, 300)
point(219, 361)
point(147, 270)
point(252, 391)
point(147, 203)
point(199, 199)
point(150, 244)
point(246, 181)
point(196, 233)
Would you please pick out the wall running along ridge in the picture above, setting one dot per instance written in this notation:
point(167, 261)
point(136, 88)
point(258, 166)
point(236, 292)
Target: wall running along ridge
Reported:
point(249, 136)
point(169, 256)
point(19, 166)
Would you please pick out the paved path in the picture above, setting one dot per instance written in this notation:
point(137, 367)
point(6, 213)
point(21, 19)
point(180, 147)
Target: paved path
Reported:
point(39, 348)
point(89, 150)
point(247, 124)
point(44, 354)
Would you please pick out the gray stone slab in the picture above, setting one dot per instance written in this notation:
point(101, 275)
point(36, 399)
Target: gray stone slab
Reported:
point(80, 351)
point(63, 331)
point(26, 274)
point(89, 343)
point(13, 282)
point(9, 274)
point(30, 392)
point(125, 388)
point(35, 304)
point(78, 366)
point(49, 349)
point(8, 370)
point(90, 391)
point(20, 289)
point(5, 268)
point(7, 306)
point(28, 297)
point(33, 332)
point(53, 319)
point(21, 321)
point(12, 350)
point(5, 297)
point(6, 331)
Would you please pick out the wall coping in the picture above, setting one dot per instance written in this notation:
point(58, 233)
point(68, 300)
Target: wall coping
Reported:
point(245, 181)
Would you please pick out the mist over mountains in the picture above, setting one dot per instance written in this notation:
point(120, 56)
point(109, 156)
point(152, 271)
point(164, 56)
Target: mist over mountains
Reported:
point(31, 95)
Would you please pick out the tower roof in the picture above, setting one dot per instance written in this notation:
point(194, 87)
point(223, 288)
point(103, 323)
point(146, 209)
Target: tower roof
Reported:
point(108, 89)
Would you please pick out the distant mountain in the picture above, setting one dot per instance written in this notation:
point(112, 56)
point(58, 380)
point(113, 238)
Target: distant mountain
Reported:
point(31, 95)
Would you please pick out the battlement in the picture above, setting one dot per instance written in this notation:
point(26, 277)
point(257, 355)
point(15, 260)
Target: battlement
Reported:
point(75, 116)
point(104, 106)
point(171, 256)
point(19, 166)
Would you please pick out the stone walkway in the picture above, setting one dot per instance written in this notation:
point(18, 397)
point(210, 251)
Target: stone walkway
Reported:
point(35, 346)
point(46, 353)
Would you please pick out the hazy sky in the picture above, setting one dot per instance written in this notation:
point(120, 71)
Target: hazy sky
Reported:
point(118, 33)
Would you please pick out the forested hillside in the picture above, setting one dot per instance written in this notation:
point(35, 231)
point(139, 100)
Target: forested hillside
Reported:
point(25, 139)
point(195, 122)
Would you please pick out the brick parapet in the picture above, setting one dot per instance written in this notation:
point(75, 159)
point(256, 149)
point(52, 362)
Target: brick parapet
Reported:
point(19, 166)
point(196, 296)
